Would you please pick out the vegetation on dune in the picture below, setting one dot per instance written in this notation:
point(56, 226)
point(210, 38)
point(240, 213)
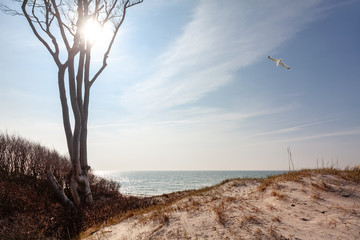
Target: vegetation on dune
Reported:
point(29, 208)
point(352, 174)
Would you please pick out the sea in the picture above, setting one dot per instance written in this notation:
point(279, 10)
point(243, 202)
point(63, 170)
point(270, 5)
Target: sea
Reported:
point(152, 183)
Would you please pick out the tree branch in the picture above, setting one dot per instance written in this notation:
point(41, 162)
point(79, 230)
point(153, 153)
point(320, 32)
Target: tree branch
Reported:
point(77, 117)
point(59, 191)
point(127, 4)
point(28, 18)
point(60, 24)
point(65, 109)
point(135, 3)
point(5, 9)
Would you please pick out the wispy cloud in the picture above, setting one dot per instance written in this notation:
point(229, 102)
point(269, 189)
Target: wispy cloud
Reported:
point(292, 129)
point(352, 132)
point(220, 39)
point(196, 117)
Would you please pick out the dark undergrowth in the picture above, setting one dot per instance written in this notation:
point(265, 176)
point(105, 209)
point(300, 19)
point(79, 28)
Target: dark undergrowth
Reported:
point(29, 208)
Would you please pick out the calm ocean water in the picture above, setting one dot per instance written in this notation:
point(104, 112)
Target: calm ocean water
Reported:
point(151, 183)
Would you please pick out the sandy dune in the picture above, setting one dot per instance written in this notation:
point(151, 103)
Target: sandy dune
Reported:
point(313, 206)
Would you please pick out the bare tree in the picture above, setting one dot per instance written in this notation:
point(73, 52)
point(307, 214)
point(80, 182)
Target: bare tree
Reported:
point(59, 25)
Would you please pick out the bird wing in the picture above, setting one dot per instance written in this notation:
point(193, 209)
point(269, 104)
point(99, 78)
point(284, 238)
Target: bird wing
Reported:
point(284, 65)
point(273, 59)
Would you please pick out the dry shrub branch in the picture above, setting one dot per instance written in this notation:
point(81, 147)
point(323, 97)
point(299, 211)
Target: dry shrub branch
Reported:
point(29, 209)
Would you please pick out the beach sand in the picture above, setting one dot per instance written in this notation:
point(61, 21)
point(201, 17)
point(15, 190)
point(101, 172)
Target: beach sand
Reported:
point(308, 206)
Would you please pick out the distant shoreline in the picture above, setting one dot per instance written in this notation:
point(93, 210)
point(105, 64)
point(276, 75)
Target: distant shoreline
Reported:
point(154, 183)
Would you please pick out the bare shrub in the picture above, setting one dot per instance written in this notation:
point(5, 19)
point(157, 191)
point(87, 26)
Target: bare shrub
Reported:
point(30, 209)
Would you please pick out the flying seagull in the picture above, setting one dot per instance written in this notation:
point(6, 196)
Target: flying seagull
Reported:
point(279, 61)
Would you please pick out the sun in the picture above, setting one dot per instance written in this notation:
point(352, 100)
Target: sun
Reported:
point(96, 33)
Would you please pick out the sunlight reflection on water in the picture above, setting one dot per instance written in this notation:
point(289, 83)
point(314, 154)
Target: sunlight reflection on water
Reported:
point(151, 183)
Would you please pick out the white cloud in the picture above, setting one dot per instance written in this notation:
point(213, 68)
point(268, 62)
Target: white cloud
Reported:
point(221, 38)
point(292, 129)
point(198, 121)
point(352, 132)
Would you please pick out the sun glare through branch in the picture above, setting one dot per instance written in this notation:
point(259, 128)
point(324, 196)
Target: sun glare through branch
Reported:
point(94, 32)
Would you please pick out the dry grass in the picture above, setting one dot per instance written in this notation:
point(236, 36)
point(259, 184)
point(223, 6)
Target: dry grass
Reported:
point(160, 216)
point(333, 223)
point(316, 196)
point(276, 219)
point(271, 207)
point(272, 231)
point(321, 185)
point(221, 215)
point(250, 219)
point(229, 200)
point(352, 174)
point(279, 195)
point(255, 209)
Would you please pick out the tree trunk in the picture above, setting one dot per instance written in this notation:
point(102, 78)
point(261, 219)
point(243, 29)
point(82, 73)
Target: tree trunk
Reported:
point(59, 191)
point(76, 140)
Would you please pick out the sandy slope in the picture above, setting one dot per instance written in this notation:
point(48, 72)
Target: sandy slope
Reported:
point(311, 207)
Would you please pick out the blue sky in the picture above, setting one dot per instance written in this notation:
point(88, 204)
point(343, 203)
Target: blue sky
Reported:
point(189, 87)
